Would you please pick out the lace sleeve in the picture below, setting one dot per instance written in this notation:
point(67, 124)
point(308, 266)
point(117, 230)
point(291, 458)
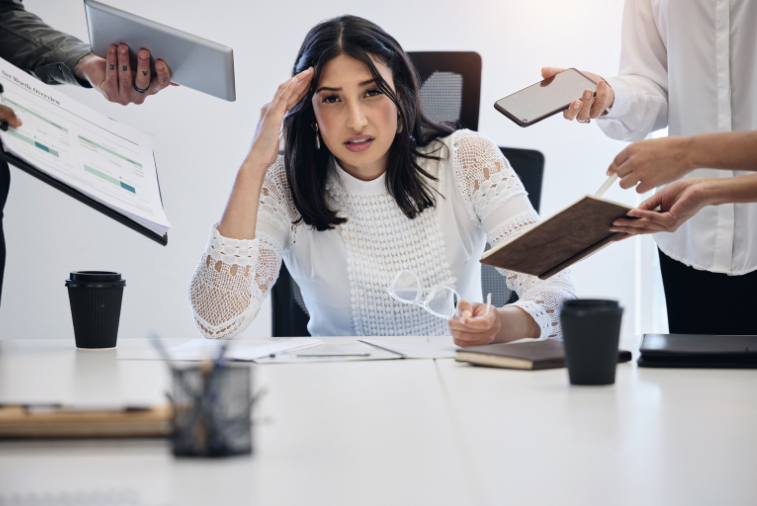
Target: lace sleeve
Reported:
point(539, 298)
point(483, 175)
point(234, 276)
point(496, 199)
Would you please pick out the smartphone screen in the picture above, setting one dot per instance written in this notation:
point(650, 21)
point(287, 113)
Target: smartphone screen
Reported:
point(545, 98)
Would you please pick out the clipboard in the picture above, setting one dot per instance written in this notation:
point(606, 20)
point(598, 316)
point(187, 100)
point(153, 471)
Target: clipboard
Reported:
point(81, 197)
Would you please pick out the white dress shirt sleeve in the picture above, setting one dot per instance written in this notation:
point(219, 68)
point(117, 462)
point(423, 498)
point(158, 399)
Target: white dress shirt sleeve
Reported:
point(641, 88)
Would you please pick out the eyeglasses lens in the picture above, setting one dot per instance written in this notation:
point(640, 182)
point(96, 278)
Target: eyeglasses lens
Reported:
point(443, 302)
point(407, 287)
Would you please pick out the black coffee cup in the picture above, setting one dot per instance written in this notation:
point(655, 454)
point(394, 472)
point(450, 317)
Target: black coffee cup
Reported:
point(95, 298)
point(591, 332)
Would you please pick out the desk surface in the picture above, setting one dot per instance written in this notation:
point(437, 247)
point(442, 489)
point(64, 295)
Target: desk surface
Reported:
point(406, 432)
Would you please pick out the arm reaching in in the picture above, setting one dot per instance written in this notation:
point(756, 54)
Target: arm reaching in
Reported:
point(654, 162)
point(682, 199)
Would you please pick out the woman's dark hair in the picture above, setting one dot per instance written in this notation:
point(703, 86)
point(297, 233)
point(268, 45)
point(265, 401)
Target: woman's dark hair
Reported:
point(307, 167)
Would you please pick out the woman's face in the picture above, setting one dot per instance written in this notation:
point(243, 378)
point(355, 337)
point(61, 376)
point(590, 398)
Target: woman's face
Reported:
point(356, 121)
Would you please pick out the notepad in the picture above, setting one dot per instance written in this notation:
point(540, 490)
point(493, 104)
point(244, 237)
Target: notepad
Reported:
point(567, 237)
point(197, 350)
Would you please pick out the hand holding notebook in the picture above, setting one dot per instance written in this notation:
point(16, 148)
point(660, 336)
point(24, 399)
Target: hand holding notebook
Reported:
point(567, 237)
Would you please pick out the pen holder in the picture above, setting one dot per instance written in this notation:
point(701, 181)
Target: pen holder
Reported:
point(211, 411)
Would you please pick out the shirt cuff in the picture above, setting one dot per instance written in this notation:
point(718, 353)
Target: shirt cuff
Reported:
point(622, 104)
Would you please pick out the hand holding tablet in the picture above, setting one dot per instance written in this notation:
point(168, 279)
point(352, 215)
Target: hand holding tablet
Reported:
point(118, 80)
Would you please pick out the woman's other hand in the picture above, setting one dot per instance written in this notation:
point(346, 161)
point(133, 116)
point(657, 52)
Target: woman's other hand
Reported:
point(473, 328)
point(651, 163)
point(678, 202)
point(265, 142)
point(587, 106)
point(9, 116)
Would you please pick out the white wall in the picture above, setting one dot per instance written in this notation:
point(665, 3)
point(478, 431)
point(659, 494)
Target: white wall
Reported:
point(201, 140)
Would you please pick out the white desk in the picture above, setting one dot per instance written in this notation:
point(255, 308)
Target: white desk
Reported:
point(410, 432)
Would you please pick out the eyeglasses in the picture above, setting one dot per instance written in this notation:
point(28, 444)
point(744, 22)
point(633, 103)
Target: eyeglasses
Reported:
point(441, 299)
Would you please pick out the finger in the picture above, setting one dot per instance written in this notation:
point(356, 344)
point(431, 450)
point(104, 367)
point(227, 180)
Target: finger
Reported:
point(653, 222)
point(547, 72)
point(601, 101)
point(629, 181)
point(573, 109)
point(9, 115)
point(465, 339)
point(619, 160)
point(644, 187)
point(280, 107)
point(587, 99)
point(144, 76)
point(648, 205)
point(110, 85)
point(301, 90)
point(162, 78)
point(636, 231)
point(125, 78)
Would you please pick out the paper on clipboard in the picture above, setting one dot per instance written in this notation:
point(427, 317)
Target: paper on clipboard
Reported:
point(107, 161)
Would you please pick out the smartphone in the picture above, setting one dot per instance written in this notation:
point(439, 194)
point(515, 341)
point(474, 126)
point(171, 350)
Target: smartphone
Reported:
point(543, 99)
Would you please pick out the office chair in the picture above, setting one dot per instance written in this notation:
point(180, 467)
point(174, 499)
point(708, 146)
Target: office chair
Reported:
point(450, 92)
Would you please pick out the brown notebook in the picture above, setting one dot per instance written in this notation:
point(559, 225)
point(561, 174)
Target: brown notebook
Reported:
point(19, 421)
point(546, 248)
point(546, 354)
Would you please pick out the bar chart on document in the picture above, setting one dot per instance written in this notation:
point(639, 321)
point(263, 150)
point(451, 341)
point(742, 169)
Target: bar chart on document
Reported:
point(108, 161)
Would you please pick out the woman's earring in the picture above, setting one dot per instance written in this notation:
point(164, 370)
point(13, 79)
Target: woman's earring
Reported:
point(317, 140)
point(399, 125)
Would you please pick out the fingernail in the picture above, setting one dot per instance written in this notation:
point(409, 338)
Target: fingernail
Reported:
point(159, 66)
point(577, 106)
point(601, 85)
point(123, 50)
point(587, 94)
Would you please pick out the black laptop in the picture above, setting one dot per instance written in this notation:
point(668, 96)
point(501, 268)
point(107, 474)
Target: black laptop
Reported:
point(692, 350)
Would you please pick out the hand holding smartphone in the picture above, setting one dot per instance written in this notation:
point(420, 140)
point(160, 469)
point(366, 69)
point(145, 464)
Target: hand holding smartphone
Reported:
point(545, 98)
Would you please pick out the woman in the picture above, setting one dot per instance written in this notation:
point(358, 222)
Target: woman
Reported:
point(367, 187)
point(689, 65)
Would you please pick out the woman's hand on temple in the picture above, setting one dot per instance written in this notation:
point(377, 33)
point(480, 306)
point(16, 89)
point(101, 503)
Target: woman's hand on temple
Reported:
point(473, 328)
point(588, 106)
point(265, 142)
point(678, 202)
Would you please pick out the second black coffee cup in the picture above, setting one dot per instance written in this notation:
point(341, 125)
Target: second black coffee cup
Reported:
point(591, 332)
point(95, 298)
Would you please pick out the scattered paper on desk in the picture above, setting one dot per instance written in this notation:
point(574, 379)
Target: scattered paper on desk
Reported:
point(203, 349)
point(346, 352)
point(417, 347)
point(106, 160)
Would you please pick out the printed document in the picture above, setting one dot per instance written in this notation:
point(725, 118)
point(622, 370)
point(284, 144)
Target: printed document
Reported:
point(107, 161)
point(198, 350)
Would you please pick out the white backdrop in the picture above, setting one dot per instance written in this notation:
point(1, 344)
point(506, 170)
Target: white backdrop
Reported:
point(200, 141)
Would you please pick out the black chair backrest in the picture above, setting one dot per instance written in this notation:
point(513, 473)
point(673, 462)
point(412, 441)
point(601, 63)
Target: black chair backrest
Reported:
point(450, 85)
point(529, 165)
point(450, 92)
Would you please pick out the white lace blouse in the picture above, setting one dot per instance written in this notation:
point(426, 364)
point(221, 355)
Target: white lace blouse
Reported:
point(344, 273)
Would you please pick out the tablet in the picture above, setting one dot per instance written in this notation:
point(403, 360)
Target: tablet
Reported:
point(193, 62)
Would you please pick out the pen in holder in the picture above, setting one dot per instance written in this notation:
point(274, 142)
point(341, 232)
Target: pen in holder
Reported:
point(211, 407)
point(211, 411)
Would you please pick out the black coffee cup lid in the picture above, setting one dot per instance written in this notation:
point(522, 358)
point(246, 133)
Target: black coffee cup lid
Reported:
point(95, 278)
